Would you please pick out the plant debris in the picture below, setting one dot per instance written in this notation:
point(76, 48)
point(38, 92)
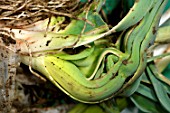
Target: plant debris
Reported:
point(17, 13)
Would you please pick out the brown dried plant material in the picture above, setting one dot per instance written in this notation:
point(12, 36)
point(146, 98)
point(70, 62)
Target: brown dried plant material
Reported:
point(17, 13)
point(8, 64)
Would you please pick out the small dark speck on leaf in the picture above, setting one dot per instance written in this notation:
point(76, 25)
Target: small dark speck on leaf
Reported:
point(52, 63)
point(125, 62)
point(48, 42)
point(154, 30)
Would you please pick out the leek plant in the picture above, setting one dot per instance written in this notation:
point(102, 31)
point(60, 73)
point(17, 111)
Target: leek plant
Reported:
point(103, 67)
